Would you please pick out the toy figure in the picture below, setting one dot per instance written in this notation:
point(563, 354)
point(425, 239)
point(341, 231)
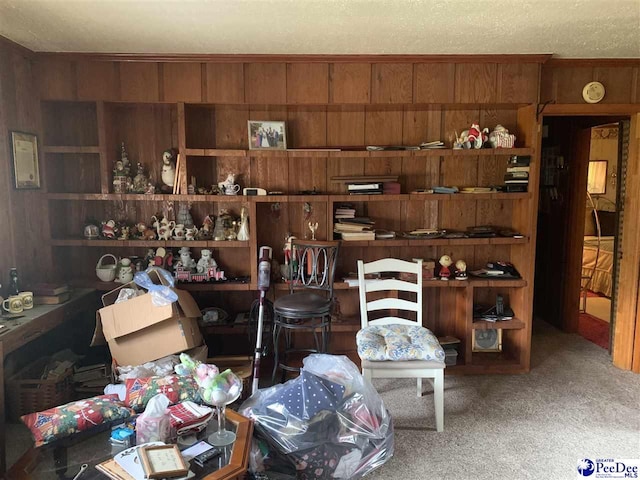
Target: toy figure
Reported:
point(125, 271)
point(140, 181)
point(185, 259)
point(243, 231)
point(109, 229)
point(124, 233)
point(168, 169)
point(474, 137)
point(206, 261)
point(461, 270)
point(445, 262)
point(191, 233)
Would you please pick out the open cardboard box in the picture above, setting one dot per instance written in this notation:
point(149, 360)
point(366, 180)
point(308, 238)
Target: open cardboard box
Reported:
point(137, 331)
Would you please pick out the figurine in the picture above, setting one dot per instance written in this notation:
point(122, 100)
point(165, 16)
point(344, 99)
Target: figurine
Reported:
point(243, 231)
point(149, 258)
point(91, 230)
point(144, 232)
point(168, 168)
point(164, 231)
point(474, 137)
point(140, 181)
point(124, 233)
point(191, 233)
point(501, 138)
point(109, 229)
point(207, 229)
point(290, 267)
point(461, 270)
point(185, 259)
point(229, 186)
point(125, 271)
point(445, 262)
point(178, 232)
point(184, 215)
point(206, 261)
point(163, 258)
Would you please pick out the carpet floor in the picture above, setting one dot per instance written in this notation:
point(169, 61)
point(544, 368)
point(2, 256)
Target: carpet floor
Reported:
point(594, 329)
point(573, 404)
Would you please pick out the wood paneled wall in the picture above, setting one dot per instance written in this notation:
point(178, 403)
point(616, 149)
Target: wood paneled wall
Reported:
point(23, 221)
point(504, 79)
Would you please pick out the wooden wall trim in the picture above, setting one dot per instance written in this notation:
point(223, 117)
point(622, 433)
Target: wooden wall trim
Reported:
point(593, 62)
point(235, 58)
point(16, 47)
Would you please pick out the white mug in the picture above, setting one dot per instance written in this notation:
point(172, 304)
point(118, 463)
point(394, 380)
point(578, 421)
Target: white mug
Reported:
point(13, 304)
point(27, 299)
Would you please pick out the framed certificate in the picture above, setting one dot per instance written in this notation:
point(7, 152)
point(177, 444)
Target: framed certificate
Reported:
point(162, 461)
point(24, 147)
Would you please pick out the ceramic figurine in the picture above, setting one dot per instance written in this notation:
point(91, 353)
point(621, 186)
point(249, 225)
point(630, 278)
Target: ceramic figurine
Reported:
point(190, 234)
point(445, 262)
point(109, 229)
point(206, 261)
point(474, 137)
point(461, 270)
point(144, 232)
point(184, 215)
point(165, 231)
point(185, 260)
point(178, 232)
point(168, 168)
point(229, 186)
point(149, 258)
point(140, 181)
point(125, 271)
point(501, 138)
point(124, 233)
point(207, 229)
point(243, 231)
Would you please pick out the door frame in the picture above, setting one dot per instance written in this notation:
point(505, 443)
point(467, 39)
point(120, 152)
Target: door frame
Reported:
point(625, 351)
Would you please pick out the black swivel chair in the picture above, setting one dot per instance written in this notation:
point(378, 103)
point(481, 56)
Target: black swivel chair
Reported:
point(308, 305)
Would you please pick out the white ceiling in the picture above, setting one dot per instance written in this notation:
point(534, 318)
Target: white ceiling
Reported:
point(566, 28)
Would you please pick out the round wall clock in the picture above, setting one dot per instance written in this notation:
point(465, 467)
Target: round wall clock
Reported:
point(593, 92)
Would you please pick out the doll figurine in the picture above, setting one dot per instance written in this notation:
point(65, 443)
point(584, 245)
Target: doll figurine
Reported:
point(445, 262)
point(168, 168)
point(461, 270)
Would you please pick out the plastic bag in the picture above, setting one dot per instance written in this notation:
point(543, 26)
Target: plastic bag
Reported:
point(154, 424)
point(328, 423)
point(161, 295)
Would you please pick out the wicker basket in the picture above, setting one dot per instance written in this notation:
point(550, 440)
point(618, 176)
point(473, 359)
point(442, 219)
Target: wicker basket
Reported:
point(26, 393)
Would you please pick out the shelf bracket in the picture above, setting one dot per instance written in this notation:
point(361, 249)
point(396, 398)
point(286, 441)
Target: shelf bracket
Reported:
point(540, 109)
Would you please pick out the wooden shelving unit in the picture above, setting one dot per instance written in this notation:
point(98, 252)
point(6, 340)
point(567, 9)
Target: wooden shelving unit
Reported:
point(332, 110)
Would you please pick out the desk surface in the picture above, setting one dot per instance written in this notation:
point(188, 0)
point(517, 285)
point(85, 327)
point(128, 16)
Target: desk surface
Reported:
point(16, 332)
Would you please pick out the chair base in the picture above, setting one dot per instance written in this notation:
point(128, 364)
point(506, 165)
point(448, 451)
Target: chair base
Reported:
point(435, 375)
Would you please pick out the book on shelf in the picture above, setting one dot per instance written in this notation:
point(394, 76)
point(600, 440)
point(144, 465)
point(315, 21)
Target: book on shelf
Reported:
point(516, 180)
point(364, 178)
point(519, 160)
point(391, 188)
point(364, 186)
point(344, 227)
point(354, 236)
point(49, 288)
point(357, 220)
point(445, 189)
point(518, 169)
point(517, 176)
point(51, 299)
point(366, 192)
point(375, 148)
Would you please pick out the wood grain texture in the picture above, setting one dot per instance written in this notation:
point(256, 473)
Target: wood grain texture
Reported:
point(569, 82)
point(225, 83)
point(518, 82)
point(618, 83)
point(182, 82)
point(383, 126)
point(350, 83)
point(55, 79)
point(392, 83)
point(307, 83)
point(434, 82)
point(345, 126)
point(306, 127)
point(421, 126)
point(265, 83)
point(231, 126)
point(97, 81)
point(139, 82)
point(475, 83)
point(70, 124)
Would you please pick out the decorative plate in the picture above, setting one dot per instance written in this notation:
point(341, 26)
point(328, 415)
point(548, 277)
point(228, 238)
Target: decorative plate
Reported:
point(593, 92)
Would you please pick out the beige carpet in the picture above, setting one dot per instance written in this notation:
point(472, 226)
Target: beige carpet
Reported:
point(599, 307)
point(573, 404)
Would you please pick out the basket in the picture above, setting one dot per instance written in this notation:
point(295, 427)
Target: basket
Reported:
point(106, 272)
point(26, 393)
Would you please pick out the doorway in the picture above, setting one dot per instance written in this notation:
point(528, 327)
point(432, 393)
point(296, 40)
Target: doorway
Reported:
point(578, 227)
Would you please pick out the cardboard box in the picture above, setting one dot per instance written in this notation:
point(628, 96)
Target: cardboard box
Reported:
point(137, 331)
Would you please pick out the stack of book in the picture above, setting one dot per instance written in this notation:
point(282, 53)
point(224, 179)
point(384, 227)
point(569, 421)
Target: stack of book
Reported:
point(372, 188)
point(345, 212)
point(360, 228)
point(517, 177)
point(50, 293)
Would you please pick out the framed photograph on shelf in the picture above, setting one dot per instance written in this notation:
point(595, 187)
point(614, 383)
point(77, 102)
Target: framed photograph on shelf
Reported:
point(162, 461)
point(267, 135)
point(26, 168)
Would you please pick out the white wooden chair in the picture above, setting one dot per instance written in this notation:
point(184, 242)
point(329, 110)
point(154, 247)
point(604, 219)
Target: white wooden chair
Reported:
point(393, 306)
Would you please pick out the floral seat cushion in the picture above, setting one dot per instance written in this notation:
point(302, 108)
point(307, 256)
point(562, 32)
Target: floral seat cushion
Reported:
point(398, 342)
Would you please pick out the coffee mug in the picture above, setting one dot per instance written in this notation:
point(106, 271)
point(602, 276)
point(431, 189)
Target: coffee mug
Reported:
point(13, 304)
point(231, 189)
point(27, 299)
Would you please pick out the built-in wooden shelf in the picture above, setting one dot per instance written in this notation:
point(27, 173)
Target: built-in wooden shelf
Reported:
point(70, 149)
point(78, 242)
point(513, 324)
point(410, 242)
point(440, 152)
point(289, 198)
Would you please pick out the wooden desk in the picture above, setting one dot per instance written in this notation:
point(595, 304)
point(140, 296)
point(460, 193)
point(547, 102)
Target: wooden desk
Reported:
point(35, 323)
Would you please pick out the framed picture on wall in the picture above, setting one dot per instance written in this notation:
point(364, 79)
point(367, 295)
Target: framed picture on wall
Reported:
point(267, 135)
point(26, 169)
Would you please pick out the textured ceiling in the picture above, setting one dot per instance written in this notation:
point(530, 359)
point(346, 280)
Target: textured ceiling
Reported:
point(566, 28)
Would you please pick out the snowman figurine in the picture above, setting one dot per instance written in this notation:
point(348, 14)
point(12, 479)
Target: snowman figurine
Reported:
point(168, 169)
point(125, 271)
